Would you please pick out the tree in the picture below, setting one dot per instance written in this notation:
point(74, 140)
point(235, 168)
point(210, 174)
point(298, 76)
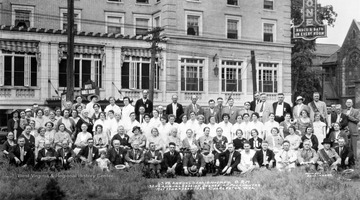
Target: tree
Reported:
point(303, 51)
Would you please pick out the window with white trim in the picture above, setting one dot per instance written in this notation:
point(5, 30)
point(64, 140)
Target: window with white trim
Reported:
point(269, 31)
point(233, 2)
point(135, 73)
point(22, 16)
point(268, 77)
point(193, 23)
point(269, 4)
point(192, 74)
point(77, 19)
point(156, 21)
point(19, 69)
point(142, 24)
point(233, 26)
point(231, 76)
point(86, 67)
point(114, 22)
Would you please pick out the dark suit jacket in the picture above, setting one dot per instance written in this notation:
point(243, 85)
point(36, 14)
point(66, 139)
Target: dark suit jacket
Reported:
point(218, 117)
point(190, 161)
point(343, 119)
point(10, 126)
point(189, 108)
point(148, 106)
point(170, 160)
point(235, 159)
point(148, 156)
point(70, 153)
point(314, 141)
point(84, 152)
point(29, 157)
point(287, 109)
point(51, 153)
point(341, 134)
point(178, 113)
point(29, 142)
point(252, 143)
point(131, 155)
point(233, 112)
point(123, 141)
point(346, 152)
point(353, 119)
point(253, 105)
point(259, 156)
point(208, 114)
point(137, 117)
point(115, 157)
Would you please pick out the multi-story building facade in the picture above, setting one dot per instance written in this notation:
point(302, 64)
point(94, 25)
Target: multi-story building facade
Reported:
point(207, 51)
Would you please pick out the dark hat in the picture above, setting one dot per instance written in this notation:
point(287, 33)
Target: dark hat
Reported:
point(90, 97)
point(326, 141)
point(136, 127)
point(15, 110)
point(193, 170)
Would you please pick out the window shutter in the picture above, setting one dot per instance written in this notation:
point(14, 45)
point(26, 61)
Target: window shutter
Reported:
point(1, 70)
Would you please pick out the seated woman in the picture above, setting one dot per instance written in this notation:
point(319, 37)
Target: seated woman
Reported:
point(255, 141)
point(269, 125)
point(205, 139)
point(239, 140)
point(274, 140)
point(82, 138)
point(310, 136)
point(50, 133)
point(146, 126)
point(62, 135)
point(156, 140)
point(293, 138)
point(8, 144)
point(188, 141)
point(138, 137)
point(173, 138)
point(336, 134)
point(101, 140)
point(40, 141)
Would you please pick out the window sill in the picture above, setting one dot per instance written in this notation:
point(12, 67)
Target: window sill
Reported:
point(156, 3)
point(20, 87)
point(114, 2)
point(191, 1)
point(142, 4)
point(269, 10)
point(232, 6)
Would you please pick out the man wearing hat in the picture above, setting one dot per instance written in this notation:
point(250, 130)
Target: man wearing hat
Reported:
point(194, 163)
point(13, 124)
point(328, 158)
point(300, 106)
point(93, 98)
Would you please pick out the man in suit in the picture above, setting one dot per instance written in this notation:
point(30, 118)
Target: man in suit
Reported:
point(255, 102)
point(265, 157)
point(140, 116)
point(194, 107)
point(89, 153)
point(122, 137)
point(346, 155)
point(211, 111)
point(264, 108)
point(246, 109)
point(281, 108)
point(300, 106)
point(117, 154)
point(353, 116)
point(21, 155)
point(219, 107)
point(172, 161)
point(175, 108)
point(135, 156)
point(226, 162)
point(338, 117)
point(232, 111)
point(286, 158)
point(47, 157)
point(145, 102)
point(153, 159)
point(65, 156)
point(318, 106)
point(194, 163)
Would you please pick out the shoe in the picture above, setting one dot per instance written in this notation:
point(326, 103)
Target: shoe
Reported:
point(216, 173)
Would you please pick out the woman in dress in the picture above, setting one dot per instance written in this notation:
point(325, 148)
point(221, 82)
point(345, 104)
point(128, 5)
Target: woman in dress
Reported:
point(75, 116)
point(183, 126)
point(293, 138)
point(284, 125)
point(84, 119)
point(52, 118)
point(155, 120)
point(255, 141)
point(146, 126)
point(269, 125)
point(256, 124)
point(303, 122)
point(101, 121)
point(40, 140)
point(62, 135)
point(79, 108)
point(275, 140)
point(97, 112)
point(246, 126)
point(173, 137)
point(319, 129)
point(213, 126)
point(236, 126)
point(138, 136)
point(8, 144)
point(239, 140)
point(310, 136)
point(156, 139)
point(336, 134)
point(226, 126)
point(82, 138)
point(34, 132)
point(101, 140)
point(50, 133)
point(188, 141)
point(39, 119)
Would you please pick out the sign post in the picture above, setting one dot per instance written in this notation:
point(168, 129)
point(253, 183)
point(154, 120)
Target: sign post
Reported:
point(310, 28)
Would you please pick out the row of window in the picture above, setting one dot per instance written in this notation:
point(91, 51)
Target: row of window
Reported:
point(115, 23)
point(268, 4)
point(20, 69)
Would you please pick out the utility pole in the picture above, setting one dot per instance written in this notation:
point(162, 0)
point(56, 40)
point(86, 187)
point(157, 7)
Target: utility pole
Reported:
point(154, 48)
point(253, 69)
point(70, 52)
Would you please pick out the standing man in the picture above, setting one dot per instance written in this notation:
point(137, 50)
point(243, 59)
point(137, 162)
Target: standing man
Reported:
point(300, 106)
point(212, 111)
point(148, 105)
point(353, 116)
point(194, 107)
point(232, 111)
point(175, 108)
point(246, 109)
point(318, 106)
point(264, 108)
point(219, 107)
point(338, 117)
point(255, 102)
point(281, 108)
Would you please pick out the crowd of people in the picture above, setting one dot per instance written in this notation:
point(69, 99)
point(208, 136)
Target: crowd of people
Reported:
point(190, 140)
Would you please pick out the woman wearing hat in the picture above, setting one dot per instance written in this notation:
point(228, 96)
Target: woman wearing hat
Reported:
point(138, 137)
point(13, 124)
point(300, 106)
point(84, 119)
point(328, 158)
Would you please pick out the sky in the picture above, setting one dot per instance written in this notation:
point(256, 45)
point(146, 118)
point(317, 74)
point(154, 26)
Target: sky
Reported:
point(347, 10)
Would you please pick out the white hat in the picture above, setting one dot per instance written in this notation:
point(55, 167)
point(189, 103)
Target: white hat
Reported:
point(299, 98)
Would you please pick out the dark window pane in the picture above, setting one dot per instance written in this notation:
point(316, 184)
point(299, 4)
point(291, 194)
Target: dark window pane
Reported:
point(268, 37)
point(33, 76)
point(145, 76)
point(125, 75)
point(232, 2)
point(138, 76)
point(100, 75)
point(62, 73)
point(77, 73)
point(19, 63)
point(7, 71)
point(268, 5)
point(86, 71)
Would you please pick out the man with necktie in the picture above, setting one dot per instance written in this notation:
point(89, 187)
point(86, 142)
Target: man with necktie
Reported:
point(66, 156)
point(265, 157)
point(89, 153)
point(135, 156)
point(153, 159)
point(145, 102)
point(211, 111)
point(47, 157)
point(281, 108)
point(226, 162)
point(172, 161)
point(175, 108)
point(194, 163)
point(194, 107)
point(117, 154)
point(285, 158)
point(264, 108)
point(353, 116)
point(346, 155)
point(21, 155)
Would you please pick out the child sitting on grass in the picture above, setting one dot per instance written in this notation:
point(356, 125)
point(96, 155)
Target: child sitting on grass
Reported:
point(103, 162)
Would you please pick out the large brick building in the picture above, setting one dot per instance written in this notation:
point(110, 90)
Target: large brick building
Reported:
point(207, 52)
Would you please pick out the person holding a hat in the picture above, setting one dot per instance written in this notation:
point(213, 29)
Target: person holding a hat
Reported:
point(328, 158)
point(300, 106)
point(194, 163)
point(93, 98)
point(13, 124)
point(307, 157)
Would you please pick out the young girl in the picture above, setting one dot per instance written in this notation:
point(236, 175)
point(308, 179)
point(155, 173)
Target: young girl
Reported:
point(103, 162)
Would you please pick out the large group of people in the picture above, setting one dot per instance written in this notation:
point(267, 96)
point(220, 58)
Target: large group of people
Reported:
point(191, 140)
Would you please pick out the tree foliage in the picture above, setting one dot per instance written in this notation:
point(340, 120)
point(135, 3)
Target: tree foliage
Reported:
point(303, 51)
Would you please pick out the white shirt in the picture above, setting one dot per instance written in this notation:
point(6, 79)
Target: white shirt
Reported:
point(89, 107)
point(226, 130)
point(114, 126)
point(246, 158)
point(268, 126)
point(114, 107)
point(279, 110)
point(126, 110)
point(155, 122)
point(174, 108)
point(129, 127)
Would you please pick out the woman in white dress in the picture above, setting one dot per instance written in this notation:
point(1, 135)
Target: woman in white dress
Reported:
point(50, 133)
point(155, 120)
point(146, 126)
point(293, 138)
point(269, 125)
point(246, 126)
point(101, 121)
point(257, 124)
point(319, 129)
point(183, 126)
point(213, 126)
point(226, 127)
point(236, 126)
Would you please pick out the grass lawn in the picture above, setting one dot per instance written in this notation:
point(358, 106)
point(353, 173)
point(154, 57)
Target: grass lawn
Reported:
point(85, 183)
